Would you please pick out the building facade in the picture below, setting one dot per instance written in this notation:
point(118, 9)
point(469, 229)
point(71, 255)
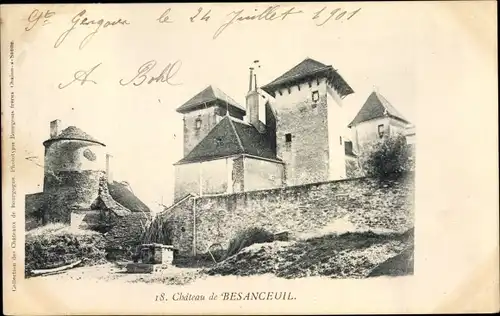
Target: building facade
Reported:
point(376, 119)
point(290, 132)
point(310, 122)
point(78, 184)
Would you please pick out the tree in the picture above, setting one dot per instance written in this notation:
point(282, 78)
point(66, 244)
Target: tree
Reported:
point(389, 158)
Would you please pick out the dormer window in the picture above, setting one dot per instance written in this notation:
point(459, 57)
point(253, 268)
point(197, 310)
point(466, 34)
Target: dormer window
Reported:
point(315, 96)
point(381, 130)
point(198, 123)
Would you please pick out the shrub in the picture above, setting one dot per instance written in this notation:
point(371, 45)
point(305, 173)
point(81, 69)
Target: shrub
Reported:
point(388, 158)
point(56, 245)
point(353, 170)
point(246, 238)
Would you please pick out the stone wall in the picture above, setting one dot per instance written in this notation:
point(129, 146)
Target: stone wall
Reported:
point(33, 210)
point(74, 155)
point(124, 234)
point(213, 175)
point(70, 190)
point(193, 135)
point(208, 117)
point(262, 174)
point(306, 155)
point(306, 209)
point(179, 220)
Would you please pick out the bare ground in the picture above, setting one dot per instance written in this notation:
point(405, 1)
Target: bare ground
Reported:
point(351, 255)
point(109, 272)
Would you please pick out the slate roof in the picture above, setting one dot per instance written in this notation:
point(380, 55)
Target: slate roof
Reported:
point(306, 69)
point(231, 137)
point(72, 132)
point(376, 106)
point(209, 94)
point(105, 201)
point(121, 193)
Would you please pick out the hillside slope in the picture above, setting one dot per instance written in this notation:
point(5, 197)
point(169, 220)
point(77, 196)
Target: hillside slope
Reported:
point(348, 255)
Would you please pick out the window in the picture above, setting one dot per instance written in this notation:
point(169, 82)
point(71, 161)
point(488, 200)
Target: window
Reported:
point(220, 111)
point(381, 130)
point(198, 123)
point(340, 140)
point(183, 229)
point(315, 96)
point(288, 138)
point(219, 141)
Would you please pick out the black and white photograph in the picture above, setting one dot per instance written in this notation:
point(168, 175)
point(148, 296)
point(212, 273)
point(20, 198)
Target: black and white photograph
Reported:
point(232, 156)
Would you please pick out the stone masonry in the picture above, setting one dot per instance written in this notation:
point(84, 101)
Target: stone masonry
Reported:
point(364, 202)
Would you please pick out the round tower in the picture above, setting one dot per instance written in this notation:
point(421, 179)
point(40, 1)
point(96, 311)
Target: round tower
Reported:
point(74, 164)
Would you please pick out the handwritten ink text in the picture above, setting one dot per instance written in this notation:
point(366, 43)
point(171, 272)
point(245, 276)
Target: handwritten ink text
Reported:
point(205, 16)
point(36, 16)
point(340, 15)
point(166, 75)
point(87, 22)
point(164, 18)
point(268, 14)
point(82, 76)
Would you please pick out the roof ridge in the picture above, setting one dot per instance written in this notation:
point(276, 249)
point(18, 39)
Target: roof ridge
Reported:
point(376, 106)
point(381, 100)
point(208, 94)
point(237, 135)
point(391, 110)
point(237, 120)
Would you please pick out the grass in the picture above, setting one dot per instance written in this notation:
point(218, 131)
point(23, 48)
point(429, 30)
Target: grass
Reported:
point(56, 245)
point(247, 238)
point(347, 255)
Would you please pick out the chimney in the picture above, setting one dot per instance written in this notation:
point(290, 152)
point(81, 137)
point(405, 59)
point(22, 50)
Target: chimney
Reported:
point(55, 128)
point(253, 102)
point(251, 77)
point(109, 174)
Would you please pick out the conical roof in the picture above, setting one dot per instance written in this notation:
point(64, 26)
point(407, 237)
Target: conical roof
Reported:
point(72, 133)
point(376, 106)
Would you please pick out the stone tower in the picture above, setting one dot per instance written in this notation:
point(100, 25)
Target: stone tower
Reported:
point(74, 164)
point(203, 111)
point(310, 122)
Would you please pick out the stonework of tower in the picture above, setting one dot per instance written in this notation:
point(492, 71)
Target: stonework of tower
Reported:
point(74, 164)
point(197, 125)
point(203, 111)
point(302, 133)
point(310, 122)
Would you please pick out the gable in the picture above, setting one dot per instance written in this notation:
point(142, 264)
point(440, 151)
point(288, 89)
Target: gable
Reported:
point(221, 141)
point(231, 137)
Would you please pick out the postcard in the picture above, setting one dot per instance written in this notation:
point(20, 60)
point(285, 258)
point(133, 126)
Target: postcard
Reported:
point(250, 158)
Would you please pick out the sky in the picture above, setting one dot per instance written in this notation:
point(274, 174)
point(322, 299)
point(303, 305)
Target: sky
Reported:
point(376, 49)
